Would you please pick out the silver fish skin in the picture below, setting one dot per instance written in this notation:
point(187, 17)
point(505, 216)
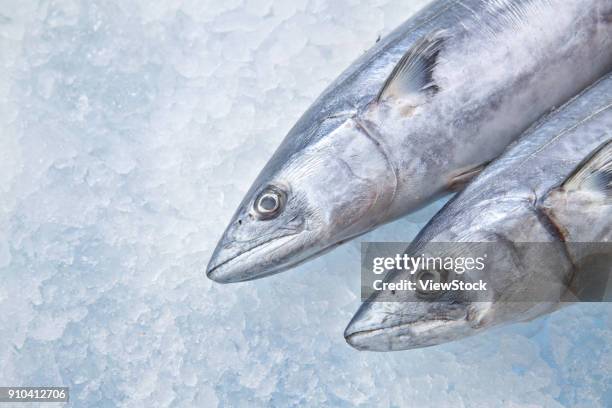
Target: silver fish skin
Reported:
point(413, 119)
point(581, 208)
point(522, 198)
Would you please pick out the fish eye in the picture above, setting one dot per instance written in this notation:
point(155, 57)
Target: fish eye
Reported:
point(269, 203)
point(423, 279)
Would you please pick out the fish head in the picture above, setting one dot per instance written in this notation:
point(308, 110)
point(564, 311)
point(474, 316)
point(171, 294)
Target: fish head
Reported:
point(393, 320)
point(406, 324)
point(519, 279)
point(318, 190)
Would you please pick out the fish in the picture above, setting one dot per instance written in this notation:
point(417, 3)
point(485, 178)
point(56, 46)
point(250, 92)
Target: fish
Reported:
point(413, 119)
point(545, 208)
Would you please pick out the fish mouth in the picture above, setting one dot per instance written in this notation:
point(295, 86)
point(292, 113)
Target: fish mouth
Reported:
point(245, 265)
point(405, 336)
point(385, 339)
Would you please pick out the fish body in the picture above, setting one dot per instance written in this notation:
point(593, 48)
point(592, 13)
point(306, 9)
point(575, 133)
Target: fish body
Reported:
point(538, 203)
point(413, 119)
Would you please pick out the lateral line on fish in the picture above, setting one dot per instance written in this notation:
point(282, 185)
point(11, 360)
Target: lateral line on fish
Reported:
point(568, 129)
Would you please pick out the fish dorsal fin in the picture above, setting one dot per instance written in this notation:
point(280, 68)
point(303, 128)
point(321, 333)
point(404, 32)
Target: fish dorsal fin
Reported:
point(594, 174)
point(509, 14)
point(412, 77)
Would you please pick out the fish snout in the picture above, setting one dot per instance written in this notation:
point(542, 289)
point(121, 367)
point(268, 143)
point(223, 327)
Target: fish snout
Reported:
point(369, 328)
point(394, 326)
point(239, 260)
point(360, 338)
point(231, 259)
point(365, 338)
point(217, 269)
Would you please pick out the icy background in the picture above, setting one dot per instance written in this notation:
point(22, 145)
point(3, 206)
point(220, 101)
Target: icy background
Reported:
point(130, 131)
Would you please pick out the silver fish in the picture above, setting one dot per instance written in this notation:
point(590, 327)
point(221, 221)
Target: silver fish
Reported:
point(537, 204)
point(415, 118)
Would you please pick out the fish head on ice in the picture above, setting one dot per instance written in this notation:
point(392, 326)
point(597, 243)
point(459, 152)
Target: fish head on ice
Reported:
point(412, 323)
point(519, 279)
point(403, 319)
point(324, 185)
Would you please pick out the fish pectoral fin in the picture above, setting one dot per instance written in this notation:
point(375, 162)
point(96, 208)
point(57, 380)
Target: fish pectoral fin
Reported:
point(412, 78)
point(459, 181)
point(593, 174)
